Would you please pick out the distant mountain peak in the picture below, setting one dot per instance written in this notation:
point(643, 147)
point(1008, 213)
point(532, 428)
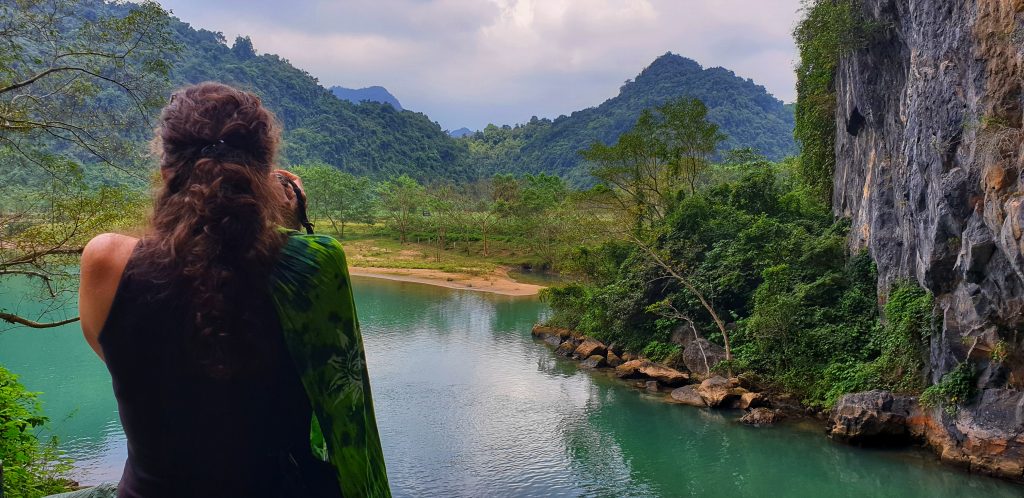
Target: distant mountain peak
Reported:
point(370, 93)
point(743, 110)
point(675, 62)
point(461, 132)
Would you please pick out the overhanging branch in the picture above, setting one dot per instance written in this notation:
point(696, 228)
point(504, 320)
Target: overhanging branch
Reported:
point(17, 320)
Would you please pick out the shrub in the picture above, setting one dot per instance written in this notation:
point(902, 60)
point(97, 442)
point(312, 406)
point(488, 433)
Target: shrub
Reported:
point(31, 468)
point(659, 351)
point(955, 388)
point(828, 30)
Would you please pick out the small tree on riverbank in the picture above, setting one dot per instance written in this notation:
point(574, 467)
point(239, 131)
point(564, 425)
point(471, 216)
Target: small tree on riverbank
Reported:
point(402, 198)
point(666, 150)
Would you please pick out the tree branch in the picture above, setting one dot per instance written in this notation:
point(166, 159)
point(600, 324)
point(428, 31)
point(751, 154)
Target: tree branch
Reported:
point(42, 276)
point(686, 283)
point(17, 320)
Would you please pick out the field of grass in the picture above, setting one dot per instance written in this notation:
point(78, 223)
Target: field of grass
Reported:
point(372, 246)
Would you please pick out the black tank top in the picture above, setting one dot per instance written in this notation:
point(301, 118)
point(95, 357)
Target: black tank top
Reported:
point(191, 434)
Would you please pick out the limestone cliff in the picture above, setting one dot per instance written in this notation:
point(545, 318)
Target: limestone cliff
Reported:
point(929, 161)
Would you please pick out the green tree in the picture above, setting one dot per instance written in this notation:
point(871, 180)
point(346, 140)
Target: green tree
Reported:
point(68, 91)
point(690, 139)
point(401, 198)
point(337, 196)
point(447, 215)
point(634, 169)
point(645, 168)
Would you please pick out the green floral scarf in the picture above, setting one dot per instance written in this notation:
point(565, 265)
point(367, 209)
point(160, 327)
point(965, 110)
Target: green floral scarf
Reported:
point(312, 292)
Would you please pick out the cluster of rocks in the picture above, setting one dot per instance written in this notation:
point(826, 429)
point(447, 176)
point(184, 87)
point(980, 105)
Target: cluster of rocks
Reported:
point(989, 432)
point(697, 386)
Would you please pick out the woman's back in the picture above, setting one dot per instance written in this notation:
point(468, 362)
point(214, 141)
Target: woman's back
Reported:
point(192, 433)
point(190, 322)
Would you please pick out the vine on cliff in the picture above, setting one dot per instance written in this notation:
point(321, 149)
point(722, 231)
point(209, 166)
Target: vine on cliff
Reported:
point(828, 30)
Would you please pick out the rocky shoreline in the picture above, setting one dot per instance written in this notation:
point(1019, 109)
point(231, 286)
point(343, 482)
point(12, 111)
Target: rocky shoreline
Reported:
point(872, 418)
point(690, 387)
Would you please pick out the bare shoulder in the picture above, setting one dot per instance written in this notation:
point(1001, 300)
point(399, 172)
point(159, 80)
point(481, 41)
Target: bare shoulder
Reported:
point(103, 261)
point(107, 248)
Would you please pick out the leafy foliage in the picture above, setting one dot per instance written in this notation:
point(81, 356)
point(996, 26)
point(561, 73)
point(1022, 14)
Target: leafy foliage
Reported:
point(32, 468)
point(645, 167)
point(72, 81)
point(743, 110)
point(336, 196)
point(402, 200)
point(659, 351)
point(765, 251)
point(829, 29)
point(955, 388)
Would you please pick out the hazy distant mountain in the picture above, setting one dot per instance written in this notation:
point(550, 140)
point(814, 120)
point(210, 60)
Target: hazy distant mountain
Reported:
point(743, 110)
point(379, 139)
point(461, 132)
point(371, 138)
point(370, 93)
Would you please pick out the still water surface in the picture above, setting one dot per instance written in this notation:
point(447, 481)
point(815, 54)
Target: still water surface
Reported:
point(469, 405)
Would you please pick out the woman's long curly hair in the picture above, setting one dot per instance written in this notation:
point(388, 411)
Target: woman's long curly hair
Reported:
point(214, 234)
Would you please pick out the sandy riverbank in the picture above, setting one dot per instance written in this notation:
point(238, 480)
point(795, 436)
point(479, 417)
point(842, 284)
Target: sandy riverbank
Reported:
point(497, 282)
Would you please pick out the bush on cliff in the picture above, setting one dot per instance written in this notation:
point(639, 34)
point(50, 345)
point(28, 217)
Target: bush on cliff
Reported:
point(828, 29)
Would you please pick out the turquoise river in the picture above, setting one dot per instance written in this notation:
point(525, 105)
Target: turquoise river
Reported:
point(469, 405)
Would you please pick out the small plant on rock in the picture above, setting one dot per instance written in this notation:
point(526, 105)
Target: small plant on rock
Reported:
point(955, 389)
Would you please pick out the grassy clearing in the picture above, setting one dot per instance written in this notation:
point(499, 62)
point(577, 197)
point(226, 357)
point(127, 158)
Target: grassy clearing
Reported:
point(370, 245)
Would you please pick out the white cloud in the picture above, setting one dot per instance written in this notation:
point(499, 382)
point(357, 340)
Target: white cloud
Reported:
point(470, 62)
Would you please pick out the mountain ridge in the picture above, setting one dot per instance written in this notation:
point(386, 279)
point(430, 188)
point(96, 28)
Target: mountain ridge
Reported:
point(744, 110)
point(379, 140)
point(373, 93)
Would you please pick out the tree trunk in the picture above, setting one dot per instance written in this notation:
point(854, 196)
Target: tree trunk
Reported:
point(686, 283)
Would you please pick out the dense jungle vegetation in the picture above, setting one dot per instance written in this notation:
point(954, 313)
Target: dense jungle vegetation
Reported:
point(758, 243)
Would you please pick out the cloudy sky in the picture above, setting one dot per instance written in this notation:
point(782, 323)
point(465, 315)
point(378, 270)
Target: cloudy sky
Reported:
point(473, 62)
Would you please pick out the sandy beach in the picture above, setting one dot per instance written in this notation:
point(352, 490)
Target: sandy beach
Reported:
point(497, 282)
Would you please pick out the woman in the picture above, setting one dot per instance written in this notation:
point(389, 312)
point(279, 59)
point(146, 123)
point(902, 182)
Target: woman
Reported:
point(224, 333)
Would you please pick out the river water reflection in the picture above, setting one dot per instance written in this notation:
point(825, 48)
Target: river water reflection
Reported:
point(469, 405)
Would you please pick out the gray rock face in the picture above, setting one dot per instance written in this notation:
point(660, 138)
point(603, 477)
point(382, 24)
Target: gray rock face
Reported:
point(929, 161)
point(699, 354)
point(986, 436)
point(871, 418)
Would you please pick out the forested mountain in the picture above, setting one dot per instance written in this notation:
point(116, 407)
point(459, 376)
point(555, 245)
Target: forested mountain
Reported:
point(370, 93)
point(368, 139)
point(744, 111)
point(381, 139)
